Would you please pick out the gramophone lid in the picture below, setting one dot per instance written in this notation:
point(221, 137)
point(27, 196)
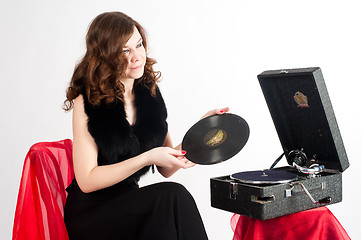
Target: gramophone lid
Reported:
point(303, 116)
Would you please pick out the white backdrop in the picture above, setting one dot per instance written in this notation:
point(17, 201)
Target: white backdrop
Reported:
point(209, 52)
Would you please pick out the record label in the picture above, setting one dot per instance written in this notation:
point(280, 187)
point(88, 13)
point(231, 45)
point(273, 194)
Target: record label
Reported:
point(215, 137)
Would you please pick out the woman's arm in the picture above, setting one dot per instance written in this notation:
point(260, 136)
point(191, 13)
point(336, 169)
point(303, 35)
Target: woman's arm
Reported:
point(90, 176)
point(167, 172)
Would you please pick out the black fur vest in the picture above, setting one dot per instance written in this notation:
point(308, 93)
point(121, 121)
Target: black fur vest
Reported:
point(116, 139)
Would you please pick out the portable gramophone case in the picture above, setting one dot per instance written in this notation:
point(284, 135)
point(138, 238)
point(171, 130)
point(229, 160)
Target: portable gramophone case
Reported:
point(305, 122)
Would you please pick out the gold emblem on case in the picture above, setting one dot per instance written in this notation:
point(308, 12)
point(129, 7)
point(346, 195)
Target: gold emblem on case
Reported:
point(301, 99)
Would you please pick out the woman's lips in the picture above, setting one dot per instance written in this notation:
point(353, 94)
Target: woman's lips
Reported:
point(137, 67)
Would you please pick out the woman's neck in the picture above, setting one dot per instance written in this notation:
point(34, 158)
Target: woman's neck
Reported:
point(128, 87)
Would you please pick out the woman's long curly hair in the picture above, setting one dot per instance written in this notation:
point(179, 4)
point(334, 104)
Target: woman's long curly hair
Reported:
point(104, 62)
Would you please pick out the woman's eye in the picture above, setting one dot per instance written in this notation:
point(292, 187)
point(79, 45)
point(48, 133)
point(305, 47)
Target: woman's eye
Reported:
point(140, 44)
point(125, 51)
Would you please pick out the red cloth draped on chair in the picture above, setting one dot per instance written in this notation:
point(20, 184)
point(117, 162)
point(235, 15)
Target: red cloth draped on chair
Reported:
point(48, 170)
point(318, 223)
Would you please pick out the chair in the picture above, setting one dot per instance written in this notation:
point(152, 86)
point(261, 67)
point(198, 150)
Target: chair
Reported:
point(48, 170)
point(318, 223)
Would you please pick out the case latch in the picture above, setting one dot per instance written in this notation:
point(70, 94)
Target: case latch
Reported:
point(233, 190)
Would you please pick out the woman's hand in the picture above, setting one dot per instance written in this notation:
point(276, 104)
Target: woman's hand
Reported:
point(166, 157)
point(216, 111)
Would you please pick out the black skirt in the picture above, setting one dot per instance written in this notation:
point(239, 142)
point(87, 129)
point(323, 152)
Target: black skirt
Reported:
point(159, 211)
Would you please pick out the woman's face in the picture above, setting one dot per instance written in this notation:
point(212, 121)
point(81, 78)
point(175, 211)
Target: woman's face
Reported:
point(136, 55)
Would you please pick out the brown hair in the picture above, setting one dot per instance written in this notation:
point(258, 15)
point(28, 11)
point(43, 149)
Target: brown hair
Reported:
point(104, 61)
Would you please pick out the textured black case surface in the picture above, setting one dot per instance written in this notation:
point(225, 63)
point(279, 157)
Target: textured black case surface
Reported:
point(304, 119)
point(266, 202)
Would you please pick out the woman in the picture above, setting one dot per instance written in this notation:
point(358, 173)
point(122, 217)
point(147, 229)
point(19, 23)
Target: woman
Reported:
point(119, 132)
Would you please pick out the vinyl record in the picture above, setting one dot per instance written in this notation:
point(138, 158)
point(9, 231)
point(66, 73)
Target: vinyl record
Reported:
point(215, 139)
point(264, 177)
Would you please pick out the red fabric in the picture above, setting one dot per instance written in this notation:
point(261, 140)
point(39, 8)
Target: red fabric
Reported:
point(48, 170)
point(318, 223)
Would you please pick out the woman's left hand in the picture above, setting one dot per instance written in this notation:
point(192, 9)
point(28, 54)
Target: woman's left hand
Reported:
point(216, 111)
point(188, 163)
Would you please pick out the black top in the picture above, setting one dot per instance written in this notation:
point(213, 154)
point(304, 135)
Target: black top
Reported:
point(117, 140)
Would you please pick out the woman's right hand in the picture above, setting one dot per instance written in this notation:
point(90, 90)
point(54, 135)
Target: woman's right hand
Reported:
point(218, 111)
point(167, 157)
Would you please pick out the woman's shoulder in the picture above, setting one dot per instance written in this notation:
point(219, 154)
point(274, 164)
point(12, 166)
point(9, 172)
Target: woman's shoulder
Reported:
point(79, 100)
point(79, 104)
point(79, 115)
